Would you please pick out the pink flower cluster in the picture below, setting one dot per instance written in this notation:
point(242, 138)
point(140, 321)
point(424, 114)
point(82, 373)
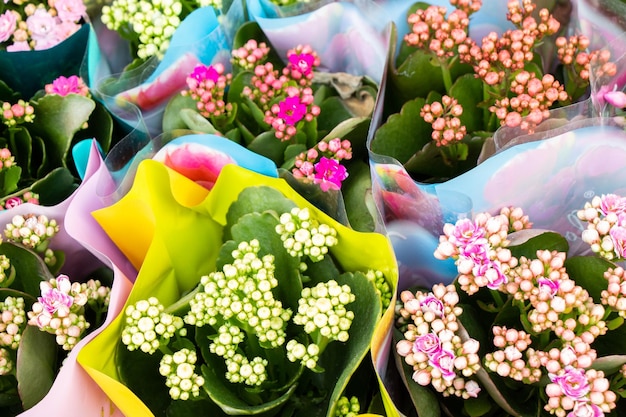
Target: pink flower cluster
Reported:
point(606, 225)
point(479, 247)
point(64, 86)
point(25, 27)
point(207, 86)
point(430, 28)
point(18, 113)
point(16, 200)
point(296, 106)
point(250, 54)
point(432, 346)
point(444, 118)
point(321, 164)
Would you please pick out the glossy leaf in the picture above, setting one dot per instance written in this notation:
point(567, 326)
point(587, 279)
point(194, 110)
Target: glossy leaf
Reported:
point(172, 119)
point(356, 188)
point(29, 267)
point(36, 365)
point(528, 242)
point(55, 187)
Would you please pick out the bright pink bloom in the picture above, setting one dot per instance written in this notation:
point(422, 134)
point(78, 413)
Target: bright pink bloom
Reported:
point(432, 303)
point(67, 85)
point(329, 173)
point(547, 286)
point(616, 99)
point(573, 382)
point(202, 72)
point(585, 409)
point(8, 24)
point(618, 236)
point(492, 271)
point(195, 161)
point(428, 343)
point(443, 360)
point(292, 110)
point(302, 62)
point(12, 202)
point(612, 203)
point(57, 300)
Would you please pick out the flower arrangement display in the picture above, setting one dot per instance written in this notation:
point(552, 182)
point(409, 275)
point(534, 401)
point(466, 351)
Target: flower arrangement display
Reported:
point(50, 302)
point(475, 87)
point(249, 230)
point(309, 124)
point(37, 137)
point(524, 329)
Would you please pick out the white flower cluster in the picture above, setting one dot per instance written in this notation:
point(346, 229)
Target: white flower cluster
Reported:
point(147, 324)
point(31, 230)
point(307, 355)
point(305, 236)
point(179, 370)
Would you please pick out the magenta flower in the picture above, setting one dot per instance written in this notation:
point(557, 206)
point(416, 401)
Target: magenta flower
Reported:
point(573, 382)
point(197, 162)
point(616, 99)
point(547, 286)
point(8, 24)
point(492, 271)
point(443, 360)
point(329, 173)
point(585, 409)
point(432, 303)
point(302, 62)
point(57, 300)
point(202, 72)
point(428, 343)
point(67, 85)
point(466, 231)
point(292, 110)
point(12, 202)
point(618, 236)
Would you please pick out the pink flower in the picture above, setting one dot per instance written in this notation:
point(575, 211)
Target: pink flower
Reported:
point(329, 173)
point(572, 382)
point(585, 409)
point(547, 286)
point(492, 271)
point(12, 202)
point(443, 360)
point(427, 343)
point(202, 72)
point(18, 46)
point(67, 85)
point(8, 23)
point(195, 161)
point(70, 10)
point(612, 203)
point(616, 99)
point(292, 110)
point(64, 30)
point(618, 236)
point(41, 24)
point(57, 300)
point(432, 303)
point(302, 62)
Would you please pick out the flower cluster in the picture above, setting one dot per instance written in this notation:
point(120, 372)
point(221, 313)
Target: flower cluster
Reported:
point(26, 26)
point(544, 322)
point(304, 236)
point(606, 225)
point(60, 310)
point(17, 113)
point(444, 118)
point(271, 100)
point(31, 230)
point(67, 85)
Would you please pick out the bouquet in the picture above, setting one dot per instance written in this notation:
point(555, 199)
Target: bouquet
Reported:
point(311, 123)
point(261, 358)
point(37, 139)
point(53, 292)
point(524, 329)
point(452, 92)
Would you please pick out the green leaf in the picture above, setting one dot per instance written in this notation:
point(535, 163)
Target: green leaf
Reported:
point(57, 121)
point(424, 400)
point(332, 112)
point(140, 373)
point(528, 241)
point(609, 364)
point(21, 145)
point(268, 145)
point(196, 122)
point(55, 187)
point(477, 407)
point(30, 269)
point(355, 130)
point(356, 191)
point(100, 127)
point(415, 77)
point(9, 178)
point(194, 408)
point(36, 365)
point(468, 91)
point(404, 133)
point(172, 119)
point(588, 272)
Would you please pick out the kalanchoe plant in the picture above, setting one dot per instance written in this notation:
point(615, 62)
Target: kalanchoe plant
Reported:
point(262, 333)
point(451, 92)
point(524, 330)
point(37, 135)
point(310, 123)
point(44, 314)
